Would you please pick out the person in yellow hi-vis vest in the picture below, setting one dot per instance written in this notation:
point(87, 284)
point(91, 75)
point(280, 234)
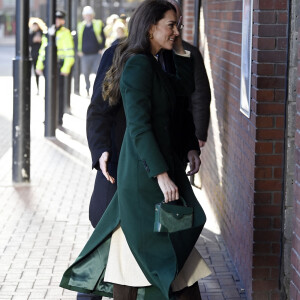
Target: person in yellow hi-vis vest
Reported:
point(65, 57)
point(91, 41)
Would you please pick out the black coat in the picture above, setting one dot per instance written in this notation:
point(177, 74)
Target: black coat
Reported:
point(105, 130)
point(200, 99)
point(199, 102)
point(35, 46)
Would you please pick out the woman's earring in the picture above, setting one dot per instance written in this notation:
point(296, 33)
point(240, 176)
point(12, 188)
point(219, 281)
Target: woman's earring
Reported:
point(150, 36)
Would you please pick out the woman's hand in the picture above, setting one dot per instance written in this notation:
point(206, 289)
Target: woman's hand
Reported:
point(168, 187)
point(103, 166)
point(64, 74)
point(178, 47)
point(37, 39)
point(201, 143)
point(194, 161)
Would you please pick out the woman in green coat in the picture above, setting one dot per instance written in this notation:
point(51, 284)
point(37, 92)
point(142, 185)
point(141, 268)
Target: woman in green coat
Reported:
point(124, 257)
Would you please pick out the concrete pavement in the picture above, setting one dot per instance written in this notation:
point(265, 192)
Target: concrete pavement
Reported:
point(44, 224)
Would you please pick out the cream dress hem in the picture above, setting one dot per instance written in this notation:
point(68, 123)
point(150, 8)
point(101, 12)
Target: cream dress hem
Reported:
point(122, 268)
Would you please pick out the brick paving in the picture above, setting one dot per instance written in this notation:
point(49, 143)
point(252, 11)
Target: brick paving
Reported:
point(44, 224)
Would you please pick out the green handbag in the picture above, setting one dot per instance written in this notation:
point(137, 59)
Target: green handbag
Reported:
point(172, 217)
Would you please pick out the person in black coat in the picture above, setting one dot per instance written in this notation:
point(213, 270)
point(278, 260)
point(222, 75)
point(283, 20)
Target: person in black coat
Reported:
point(35, 41)
point(105, 130)
point(200, 99)
point(199, 103)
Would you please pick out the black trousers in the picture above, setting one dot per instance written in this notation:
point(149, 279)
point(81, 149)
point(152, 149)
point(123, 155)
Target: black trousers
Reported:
point(37, 77)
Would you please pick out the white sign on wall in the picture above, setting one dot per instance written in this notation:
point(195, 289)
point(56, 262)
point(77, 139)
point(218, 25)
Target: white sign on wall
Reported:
point(246, 58)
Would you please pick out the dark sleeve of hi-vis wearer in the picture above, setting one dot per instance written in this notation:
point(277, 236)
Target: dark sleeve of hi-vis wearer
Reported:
point(136, 88)
point(103, 39)
point(201, 98)
point(99, 114)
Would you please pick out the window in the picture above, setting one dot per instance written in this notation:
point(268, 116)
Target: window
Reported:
point(246, 58)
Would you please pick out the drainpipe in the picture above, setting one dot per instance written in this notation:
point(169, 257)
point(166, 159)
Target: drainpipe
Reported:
point(282, 278)
point(197, 22)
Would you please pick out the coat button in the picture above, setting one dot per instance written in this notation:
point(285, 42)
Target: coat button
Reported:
point(146, 166)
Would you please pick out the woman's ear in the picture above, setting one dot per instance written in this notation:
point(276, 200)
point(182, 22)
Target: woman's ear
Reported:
point(151, 31)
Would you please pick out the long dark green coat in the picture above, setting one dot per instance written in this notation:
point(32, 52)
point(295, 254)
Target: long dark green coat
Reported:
point(148, 98)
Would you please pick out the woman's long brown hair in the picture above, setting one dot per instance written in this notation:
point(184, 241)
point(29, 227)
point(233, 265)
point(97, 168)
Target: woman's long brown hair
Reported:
point(137, 42)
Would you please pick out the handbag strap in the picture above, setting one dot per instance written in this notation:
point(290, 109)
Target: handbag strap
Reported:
point(180, 198)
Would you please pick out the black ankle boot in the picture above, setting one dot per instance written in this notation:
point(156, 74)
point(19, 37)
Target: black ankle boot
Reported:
point(124, 292)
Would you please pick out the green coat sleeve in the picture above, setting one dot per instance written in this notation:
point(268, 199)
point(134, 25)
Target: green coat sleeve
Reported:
point(137, 92)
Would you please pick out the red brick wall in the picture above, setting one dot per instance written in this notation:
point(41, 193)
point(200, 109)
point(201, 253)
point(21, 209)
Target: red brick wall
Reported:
point(242, 161)
point(188, 20)
point(295, 257)
point(228, 158)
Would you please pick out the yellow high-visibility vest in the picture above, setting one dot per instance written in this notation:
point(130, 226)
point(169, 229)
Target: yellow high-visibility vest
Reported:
point(97, 27)
point(65, 50)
